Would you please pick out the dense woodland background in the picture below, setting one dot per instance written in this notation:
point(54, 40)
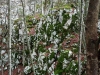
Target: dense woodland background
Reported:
point(49, 37)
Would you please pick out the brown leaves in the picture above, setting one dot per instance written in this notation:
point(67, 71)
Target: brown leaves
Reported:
point(71, 41)
point(37, 16)
point(32, 31)
point(75, 39)
point(49, 46)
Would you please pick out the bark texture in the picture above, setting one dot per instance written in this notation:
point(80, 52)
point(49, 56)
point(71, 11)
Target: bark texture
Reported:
point(92, 38)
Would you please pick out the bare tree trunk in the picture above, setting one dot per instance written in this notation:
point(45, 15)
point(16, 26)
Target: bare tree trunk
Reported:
point(92, 38)
point(10, 33)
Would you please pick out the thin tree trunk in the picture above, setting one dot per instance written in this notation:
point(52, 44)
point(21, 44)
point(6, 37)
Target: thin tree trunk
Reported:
point(10, 33)
point(91, 38)
point(26, 34)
